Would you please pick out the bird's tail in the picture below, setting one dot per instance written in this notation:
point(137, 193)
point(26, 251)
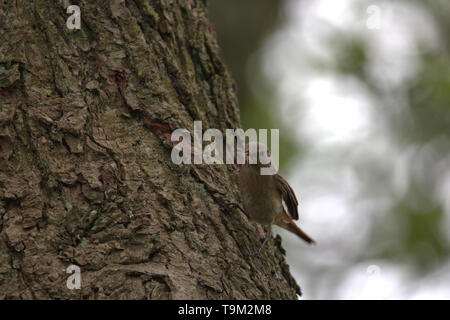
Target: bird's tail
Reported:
point(287, 223)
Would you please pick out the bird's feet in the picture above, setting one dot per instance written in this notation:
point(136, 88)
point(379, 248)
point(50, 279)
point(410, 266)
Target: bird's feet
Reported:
point(261, 233)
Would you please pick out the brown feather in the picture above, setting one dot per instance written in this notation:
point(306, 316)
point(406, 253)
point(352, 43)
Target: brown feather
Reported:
point(288, 196)
point(287, 223)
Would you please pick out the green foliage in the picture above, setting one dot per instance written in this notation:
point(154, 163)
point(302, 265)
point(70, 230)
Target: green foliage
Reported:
point(429, 98)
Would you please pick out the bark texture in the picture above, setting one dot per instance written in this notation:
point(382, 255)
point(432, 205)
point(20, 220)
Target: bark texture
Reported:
point(85, 171)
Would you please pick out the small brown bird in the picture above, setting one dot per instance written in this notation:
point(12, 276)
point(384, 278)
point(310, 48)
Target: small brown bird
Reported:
point(267, 199)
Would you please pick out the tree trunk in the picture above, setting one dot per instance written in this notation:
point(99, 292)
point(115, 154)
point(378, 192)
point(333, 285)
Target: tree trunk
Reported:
point(86, 176)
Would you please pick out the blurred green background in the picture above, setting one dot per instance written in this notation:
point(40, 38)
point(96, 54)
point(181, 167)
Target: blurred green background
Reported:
point(360, 91)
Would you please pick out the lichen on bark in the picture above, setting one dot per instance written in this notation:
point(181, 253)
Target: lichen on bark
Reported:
point(85, 171)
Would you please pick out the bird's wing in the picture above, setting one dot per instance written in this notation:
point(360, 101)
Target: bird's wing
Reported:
point(288, 196)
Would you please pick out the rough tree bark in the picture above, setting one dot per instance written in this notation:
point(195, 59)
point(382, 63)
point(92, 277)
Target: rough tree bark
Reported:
point(85, 171)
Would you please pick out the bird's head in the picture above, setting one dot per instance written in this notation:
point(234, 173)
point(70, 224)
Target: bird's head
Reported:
point(257, 154)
